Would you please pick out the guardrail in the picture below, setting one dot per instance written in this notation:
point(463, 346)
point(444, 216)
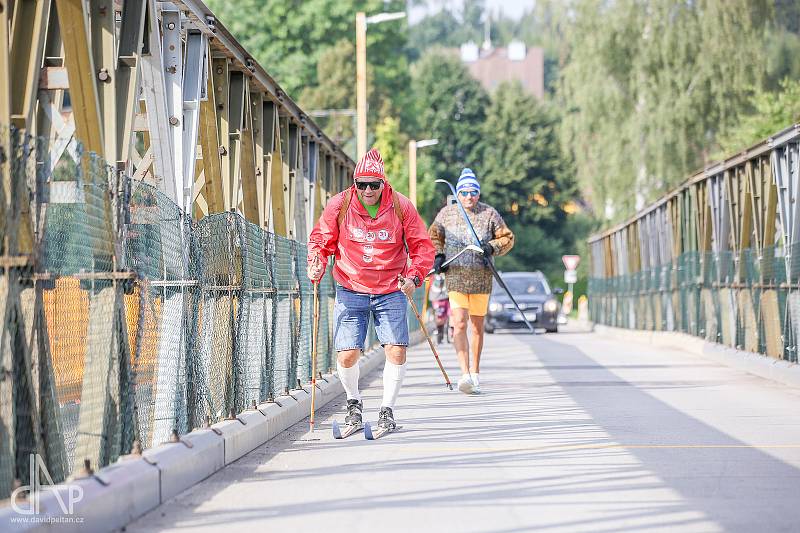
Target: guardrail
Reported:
point(124, 337)
point(716, 258)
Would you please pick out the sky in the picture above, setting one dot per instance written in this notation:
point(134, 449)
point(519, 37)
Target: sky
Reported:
point(511, 8)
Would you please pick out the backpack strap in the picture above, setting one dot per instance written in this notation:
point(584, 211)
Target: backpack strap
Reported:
point(398, 210)
point(348, 195)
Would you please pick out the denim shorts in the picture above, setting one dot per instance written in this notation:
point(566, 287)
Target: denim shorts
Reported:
point(351, 318)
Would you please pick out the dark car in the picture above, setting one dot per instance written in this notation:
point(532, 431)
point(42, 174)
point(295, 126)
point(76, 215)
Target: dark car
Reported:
point(535, 299)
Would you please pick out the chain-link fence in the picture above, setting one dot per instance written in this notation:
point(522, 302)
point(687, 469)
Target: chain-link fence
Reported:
point(125, 321)
point(740, 300)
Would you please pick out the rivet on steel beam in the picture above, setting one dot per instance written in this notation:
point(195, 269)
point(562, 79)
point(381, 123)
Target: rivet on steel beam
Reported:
point(219, 71)
point(103, 75)
point(172, 69)
point(171, 26)
point(173, 121)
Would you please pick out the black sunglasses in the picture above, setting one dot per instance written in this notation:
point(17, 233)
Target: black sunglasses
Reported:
point(374, 185)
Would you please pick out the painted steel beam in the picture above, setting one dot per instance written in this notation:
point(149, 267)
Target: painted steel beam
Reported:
point(213, 186)
point(128, 77)
point(195, 74)
point(80, 67)
point(27, 46)
point(154, 89)
point(221, 96)
point(248, 165)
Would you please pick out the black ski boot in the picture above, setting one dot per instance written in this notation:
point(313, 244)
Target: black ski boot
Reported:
point(354, 408)
point(386, 418)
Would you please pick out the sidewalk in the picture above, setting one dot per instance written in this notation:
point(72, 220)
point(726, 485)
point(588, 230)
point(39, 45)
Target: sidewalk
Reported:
point(574, 432)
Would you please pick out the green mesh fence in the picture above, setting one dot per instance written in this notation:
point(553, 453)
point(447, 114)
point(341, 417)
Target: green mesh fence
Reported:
point(741, 300)
point(126, 322)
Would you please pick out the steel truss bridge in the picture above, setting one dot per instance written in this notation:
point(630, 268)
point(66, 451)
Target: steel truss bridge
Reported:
point(157, 189)
point(716, 258)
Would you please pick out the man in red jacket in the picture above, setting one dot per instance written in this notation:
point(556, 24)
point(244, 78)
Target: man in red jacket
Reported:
point(367, 228)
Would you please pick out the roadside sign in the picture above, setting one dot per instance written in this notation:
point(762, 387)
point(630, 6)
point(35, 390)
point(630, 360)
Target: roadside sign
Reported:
point(571, 261)
point(570, 276)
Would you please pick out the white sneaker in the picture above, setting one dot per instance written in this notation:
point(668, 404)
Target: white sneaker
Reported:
point(476, 384)
point(465, 384)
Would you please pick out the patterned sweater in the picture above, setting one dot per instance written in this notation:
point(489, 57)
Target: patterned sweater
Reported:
point(450, 234)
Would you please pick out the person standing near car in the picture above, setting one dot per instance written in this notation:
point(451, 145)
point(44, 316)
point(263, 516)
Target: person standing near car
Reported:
point(469, 278)
point(372, 231)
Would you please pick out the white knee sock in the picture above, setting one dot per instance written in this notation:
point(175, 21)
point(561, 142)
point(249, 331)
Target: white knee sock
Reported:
point(392, 380)
point(349, 379)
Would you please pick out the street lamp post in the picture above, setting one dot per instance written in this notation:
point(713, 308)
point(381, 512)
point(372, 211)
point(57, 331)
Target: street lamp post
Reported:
point(361, 72)
point(412, 165)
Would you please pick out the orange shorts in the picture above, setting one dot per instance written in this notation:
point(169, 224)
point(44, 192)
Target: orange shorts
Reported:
point(476, 304)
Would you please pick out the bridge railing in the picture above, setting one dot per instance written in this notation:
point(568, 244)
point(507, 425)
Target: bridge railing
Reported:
point(128, 321)
point(715, 258)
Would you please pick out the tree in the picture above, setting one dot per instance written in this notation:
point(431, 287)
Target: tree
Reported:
point(288, 38)
point(526, 179)
point(648, 85)
point(337, 68)
point(451, 106)
point(772, 112)
point(391, 143)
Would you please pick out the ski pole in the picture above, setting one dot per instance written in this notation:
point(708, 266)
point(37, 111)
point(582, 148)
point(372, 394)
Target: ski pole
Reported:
point(314, 335)
point(495, 273)
point(428, 337)
point(470, 247)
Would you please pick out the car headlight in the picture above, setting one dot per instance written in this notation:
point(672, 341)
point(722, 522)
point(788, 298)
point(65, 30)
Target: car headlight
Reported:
point(551, 306)
point(495, 307)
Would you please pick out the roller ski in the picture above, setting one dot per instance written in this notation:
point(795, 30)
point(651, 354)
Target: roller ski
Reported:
point(385, 425)
point(353, 422)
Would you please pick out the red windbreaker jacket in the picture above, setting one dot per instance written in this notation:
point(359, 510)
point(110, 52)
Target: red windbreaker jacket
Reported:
point(370, 252)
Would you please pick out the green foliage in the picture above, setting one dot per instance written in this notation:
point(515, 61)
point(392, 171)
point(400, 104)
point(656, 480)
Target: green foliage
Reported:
point(451, 107)
point(392, 145)
point(289, 37)
point(337, 68)
point(649, 84)
point(783, 57)
point(772, 111)
point(523, 175)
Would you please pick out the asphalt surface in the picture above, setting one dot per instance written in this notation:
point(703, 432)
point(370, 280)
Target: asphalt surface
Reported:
point(573, 432)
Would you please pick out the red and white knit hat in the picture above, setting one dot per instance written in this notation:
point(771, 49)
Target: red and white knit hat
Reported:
point(371, 165)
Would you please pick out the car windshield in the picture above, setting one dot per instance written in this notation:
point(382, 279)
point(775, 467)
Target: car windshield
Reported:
point(523, 285)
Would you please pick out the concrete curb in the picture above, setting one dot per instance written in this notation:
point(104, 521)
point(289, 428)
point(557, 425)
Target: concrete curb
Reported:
point(759, 365)
point(120, 493)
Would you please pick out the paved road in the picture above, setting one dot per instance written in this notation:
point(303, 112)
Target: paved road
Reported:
point(574, 432)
